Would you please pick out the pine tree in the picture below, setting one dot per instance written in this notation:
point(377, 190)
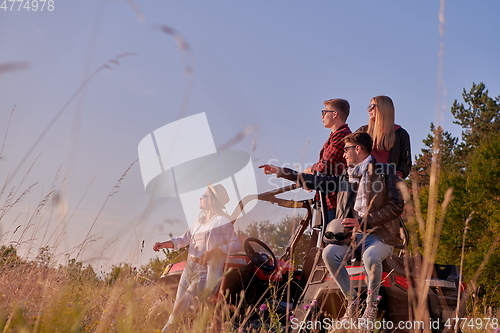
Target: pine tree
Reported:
point(447, 155)
point(479, 117)
point(471, 167)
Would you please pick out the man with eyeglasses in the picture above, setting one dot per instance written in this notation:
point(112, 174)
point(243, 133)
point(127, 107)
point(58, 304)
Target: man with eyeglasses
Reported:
point(369, 205)
point(331, 161)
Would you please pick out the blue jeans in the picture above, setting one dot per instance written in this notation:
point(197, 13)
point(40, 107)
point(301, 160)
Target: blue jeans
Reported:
point(330, 215)
point(373, 251)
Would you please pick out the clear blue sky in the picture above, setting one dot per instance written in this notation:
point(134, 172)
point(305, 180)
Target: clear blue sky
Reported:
point(267, 63)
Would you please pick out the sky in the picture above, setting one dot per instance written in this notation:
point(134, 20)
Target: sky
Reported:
point(83, 83)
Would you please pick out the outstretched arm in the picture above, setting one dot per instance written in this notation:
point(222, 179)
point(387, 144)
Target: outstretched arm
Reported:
point(163, 245)
point(269, 169)
point(174, 243)
point(314, 182)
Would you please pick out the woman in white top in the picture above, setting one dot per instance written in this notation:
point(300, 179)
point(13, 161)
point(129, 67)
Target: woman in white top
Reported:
point(210, 241)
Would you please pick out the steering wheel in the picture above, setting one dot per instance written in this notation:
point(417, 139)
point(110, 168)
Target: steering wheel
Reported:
point(266, 261)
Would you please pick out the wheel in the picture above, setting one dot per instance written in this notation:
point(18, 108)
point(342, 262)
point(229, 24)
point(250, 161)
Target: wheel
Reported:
point(263, 259)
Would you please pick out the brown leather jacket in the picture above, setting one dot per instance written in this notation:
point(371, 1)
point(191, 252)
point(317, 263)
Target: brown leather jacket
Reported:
point(385, 203)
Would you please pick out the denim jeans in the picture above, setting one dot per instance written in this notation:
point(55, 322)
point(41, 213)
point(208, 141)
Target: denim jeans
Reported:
point(330, 215)
point(373, 251)
point(191, 285)
point(196, 280)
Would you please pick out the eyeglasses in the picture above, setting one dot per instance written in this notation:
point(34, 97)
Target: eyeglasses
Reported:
point(323, 112)
point(371, 106)
point(346, 149)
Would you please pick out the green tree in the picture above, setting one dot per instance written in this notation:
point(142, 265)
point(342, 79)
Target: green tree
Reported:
point(479, 117)
point(76, 271)
point(44, 257)
point(278, 235)
point(119, 272)
point(9, 257)
point(155, 267)
point(471, 167)
point(447, 155)
point(483, 187)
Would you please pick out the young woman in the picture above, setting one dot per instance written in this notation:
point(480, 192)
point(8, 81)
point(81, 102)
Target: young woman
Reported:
point(391, 143)
point(210, 241)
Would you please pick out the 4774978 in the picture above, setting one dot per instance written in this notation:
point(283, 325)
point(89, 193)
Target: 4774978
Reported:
point(27, 5)
point(472, 323)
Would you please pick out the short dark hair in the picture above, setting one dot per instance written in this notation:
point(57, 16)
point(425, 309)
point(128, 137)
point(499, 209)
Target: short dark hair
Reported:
point(340, 105)
point(362, 139)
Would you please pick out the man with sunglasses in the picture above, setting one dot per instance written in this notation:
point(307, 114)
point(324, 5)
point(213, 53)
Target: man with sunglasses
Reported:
point(369, 205)
point(331, 161)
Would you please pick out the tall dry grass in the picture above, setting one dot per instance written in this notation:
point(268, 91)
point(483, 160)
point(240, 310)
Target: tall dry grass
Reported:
point(42, 299)
point(39, 297)
point(36, 298)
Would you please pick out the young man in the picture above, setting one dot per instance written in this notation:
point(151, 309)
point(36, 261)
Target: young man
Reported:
point(368, 202)
point(331, 160)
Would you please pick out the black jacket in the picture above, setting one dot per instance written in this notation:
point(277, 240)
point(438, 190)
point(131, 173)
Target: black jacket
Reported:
point(385, 203)
point(400, 153)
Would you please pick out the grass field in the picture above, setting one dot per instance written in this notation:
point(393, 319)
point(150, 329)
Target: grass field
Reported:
point(70, 298)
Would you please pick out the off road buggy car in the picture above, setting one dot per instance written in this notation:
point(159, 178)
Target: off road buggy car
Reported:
point(309, 300)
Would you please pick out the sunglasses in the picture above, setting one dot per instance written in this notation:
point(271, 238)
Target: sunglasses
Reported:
point(371, 106)
point(346, 149)
point(323, 112)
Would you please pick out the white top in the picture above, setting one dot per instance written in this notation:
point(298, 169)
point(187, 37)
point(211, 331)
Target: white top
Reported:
point(201, 238)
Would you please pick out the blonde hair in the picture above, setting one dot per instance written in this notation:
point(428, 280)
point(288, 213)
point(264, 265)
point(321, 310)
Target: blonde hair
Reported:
point(381, 129)
point(215, 207)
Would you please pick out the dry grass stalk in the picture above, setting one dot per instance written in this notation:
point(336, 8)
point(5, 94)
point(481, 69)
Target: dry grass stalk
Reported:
point(430, 235)
point(462, 255)
point(43, 299)
point(114, 190)
point(7, 131)
point(107, 65)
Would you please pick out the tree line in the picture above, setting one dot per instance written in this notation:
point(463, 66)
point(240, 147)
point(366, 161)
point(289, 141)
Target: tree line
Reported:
point(470, 166)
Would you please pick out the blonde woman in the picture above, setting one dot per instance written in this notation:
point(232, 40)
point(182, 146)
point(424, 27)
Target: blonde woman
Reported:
point(391, 143)
point(210, 241)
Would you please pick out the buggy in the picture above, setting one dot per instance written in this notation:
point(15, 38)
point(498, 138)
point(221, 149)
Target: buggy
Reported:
point(309, 300)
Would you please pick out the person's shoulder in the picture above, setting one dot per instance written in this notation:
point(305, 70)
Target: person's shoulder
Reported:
point(363, 128)
point(220, 220)
point(401, 130)
point(341, 132)
point(346, 129)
